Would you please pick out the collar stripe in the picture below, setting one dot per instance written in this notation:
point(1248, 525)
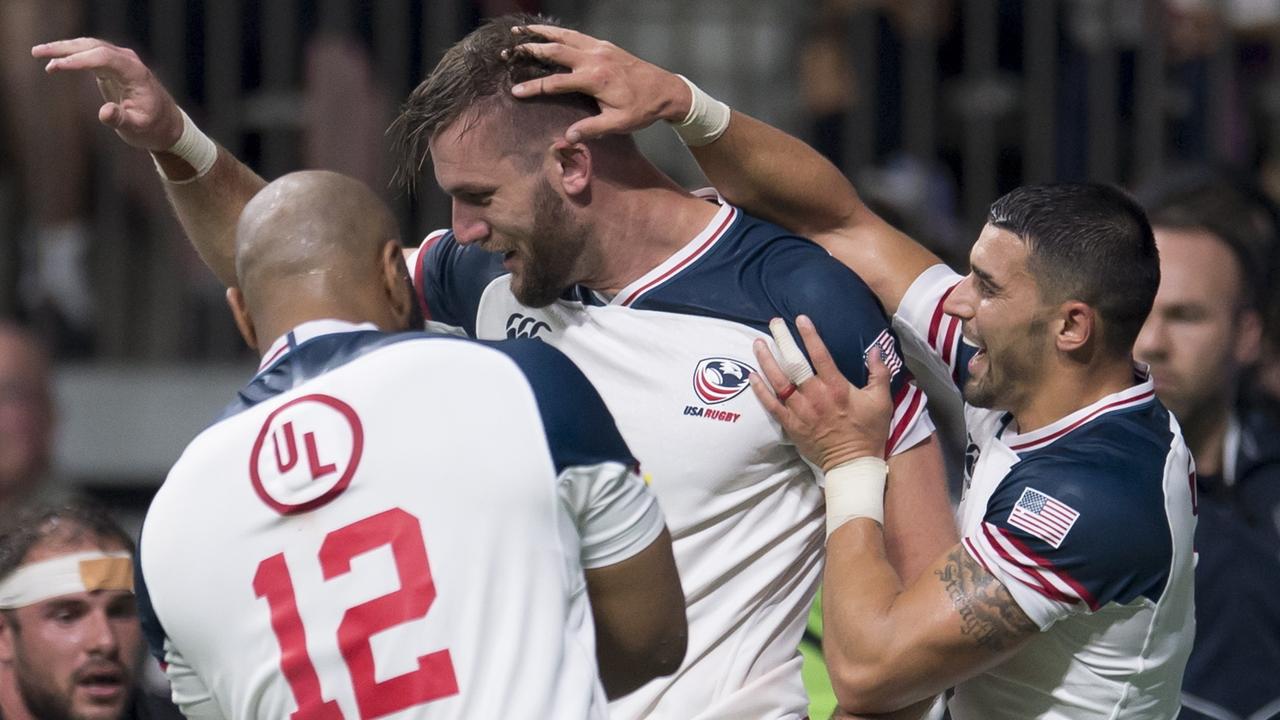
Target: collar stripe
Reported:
point(1109, 407)
point(702, 249)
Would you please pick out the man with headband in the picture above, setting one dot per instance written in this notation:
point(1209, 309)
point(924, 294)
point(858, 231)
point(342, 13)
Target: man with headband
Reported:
point(70, 642)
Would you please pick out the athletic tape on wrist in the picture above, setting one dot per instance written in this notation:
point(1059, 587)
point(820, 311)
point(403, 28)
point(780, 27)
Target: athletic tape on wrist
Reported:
point(66, 575)
point(706, 121)
point(196, 148)
point(855, 489)
point(791, 359)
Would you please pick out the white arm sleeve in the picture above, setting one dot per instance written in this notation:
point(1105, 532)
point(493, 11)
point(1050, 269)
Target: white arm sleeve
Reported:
point(188, 690)
point(616, 514)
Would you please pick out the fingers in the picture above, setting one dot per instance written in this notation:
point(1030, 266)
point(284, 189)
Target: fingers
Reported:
point(878, 375)
point(768, 400)
point(550, 52)
point(553, 84)
point(62, 48)
point(794, 364)
point(565, 36)
point(111, 115)
point(777, 378)
point(818, 353)
point(122, 63)
point(588, 128)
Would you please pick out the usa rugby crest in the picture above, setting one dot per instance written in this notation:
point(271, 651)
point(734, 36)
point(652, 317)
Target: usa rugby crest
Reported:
point(719, 379)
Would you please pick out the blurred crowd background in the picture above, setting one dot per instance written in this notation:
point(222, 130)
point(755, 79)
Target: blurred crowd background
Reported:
point(933, 107)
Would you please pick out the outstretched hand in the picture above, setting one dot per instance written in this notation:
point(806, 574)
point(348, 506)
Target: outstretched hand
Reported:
point(633, 94)
point(829, 419)
point(137, 105)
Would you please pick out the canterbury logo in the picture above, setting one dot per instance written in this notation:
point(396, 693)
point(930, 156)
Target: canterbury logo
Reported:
point(520, 326)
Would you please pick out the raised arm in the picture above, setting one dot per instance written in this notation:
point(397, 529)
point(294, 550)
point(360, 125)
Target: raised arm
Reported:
point(758, 167)
point(145, 116)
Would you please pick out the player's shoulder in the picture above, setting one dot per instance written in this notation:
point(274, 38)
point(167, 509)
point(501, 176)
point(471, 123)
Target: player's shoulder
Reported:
point(754, 270)
point(1107, 483)
point(451, 278)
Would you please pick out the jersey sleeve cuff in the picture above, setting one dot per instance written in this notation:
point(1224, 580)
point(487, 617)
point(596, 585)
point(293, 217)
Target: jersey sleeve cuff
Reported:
point(1036, 593)
point(619, 517)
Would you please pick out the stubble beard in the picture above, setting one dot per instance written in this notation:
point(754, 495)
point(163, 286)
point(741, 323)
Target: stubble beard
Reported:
point(555, 247)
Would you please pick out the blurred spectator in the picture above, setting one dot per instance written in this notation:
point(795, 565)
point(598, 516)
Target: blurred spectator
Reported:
point(48, 142)
point(70, 640)
point(26, 418)
point(1204, 332)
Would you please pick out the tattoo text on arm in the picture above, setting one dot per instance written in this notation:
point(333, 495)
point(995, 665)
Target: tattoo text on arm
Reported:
point(988, 613)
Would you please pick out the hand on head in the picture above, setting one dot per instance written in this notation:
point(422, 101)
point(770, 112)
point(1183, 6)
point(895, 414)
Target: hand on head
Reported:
point(829, 419)
point(633, 94)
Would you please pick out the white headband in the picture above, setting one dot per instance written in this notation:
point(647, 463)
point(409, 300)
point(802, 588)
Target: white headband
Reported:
point(65, 575)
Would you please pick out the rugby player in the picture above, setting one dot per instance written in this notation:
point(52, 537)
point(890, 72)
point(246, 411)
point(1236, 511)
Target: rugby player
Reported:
point(1070, 594)
point(397, 523)
point(70, 644)
point(657, 294)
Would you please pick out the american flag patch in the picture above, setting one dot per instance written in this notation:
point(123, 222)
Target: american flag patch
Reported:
point(1042, 516)
point(888, 352)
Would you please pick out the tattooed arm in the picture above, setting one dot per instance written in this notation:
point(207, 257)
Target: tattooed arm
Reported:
point(888, 647)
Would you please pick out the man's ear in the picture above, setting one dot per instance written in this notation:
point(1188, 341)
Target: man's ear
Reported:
point(397, 285)
point(244, 323)
point(1077, 324)
point(7, 640)
point(573, 161)
point(1248, 349)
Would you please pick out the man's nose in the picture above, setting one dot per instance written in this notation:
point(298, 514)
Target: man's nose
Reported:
point(468, 226)
point(960, 301)
point(101, 634)
point(1152, 344)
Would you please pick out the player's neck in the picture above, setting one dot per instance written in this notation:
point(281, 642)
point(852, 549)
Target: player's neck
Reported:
point(641, 227)
point(1067, 389)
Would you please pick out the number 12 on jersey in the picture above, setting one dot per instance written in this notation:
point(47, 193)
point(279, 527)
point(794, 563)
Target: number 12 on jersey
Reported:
point(434, 679)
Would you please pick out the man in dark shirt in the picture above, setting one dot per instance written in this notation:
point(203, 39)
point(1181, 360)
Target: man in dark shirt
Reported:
point(1203, 333)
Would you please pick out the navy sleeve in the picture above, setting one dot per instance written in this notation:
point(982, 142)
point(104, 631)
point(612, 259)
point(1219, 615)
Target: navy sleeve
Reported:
point(452, 277)
point(803, 279)
point(580, 429)
point(151, 628)
point(1087, 526)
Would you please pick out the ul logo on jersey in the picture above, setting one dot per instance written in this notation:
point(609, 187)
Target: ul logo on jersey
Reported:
point(521, 326)
point(306, 453)
point(719, 379)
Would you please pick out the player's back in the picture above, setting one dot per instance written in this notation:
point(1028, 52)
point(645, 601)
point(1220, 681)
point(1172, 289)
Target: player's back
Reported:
point(359, 546)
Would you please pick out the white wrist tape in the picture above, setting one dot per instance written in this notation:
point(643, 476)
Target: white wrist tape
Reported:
point(66, 575)
point(791, 359)
point(706, 121)
point(195, 148)
point(855, 489)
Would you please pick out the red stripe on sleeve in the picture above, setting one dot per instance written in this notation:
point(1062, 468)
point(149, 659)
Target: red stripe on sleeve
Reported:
point(905, 421)
point(936, 320)
point(1040, 586)
point(1062, 575)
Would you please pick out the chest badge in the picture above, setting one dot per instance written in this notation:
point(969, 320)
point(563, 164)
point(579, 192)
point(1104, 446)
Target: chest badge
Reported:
point(719, 379)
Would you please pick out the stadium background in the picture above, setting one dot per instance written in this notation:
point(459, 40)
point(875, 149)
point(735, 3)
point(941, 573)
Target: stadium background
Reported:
point(934, 107)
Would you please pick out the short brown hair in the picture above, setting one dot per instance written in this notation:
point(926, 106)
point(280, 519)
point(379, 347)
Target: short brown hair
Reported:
point(64, 523)
point(474, 75)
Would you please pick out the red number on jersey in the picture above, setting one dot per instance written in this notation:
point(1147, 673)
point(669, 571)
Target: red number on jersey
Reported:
point(434, 678)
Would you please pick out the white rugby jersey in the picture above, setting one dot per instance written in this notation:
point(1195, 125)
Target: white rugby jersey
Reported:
point(392, 526)
point(1088, 522)
point(670, 355)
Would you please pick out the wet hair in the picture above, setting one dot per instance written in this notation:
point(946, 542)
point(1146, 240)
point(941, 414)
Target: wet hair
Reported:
point(1230, 209)
point(64, 523)
point(472, 81)
point(1091, 243)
